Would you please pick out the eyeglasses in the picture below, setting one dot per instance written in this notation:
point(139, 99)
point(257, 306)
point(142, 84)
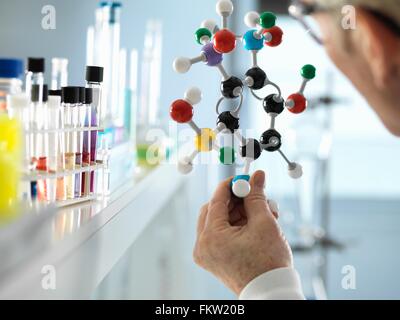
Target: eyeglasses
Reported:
point(301, 11)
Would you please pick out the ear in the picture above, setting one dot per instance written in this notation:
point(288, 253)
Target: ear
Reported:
point(380, 47)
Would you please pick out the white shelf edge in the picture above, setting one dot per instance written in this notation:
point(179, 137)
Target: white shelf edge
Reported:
point(83, 259)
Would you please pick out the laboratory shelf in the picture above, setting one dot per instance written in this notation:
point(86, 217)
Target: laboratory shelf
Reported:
point(40, 175)
point(76, 247)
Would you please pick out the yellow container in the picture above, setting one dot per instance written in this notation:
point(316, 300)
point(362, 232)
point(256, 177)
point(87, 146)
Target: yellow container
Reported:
point(10, 165)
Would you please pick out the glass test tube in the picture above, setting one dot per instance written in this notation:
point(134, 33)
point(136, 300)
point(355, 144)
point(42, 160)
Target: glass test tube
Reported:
point(85, 190)
point(70, 97)
point(53, 114)
point(94, 79)
point(34, 76)
point(39, 139)
point(61, 193)
point(78, 155)
point(59, 73)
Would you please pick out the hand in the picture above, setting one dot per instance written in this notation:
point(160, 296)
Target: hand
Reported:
point(240, 239)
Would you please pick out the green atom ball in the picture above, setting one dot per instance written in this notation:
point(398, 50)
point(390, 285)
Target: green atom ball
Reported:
point(267, 20)
point(200, 33)
point(308, 72)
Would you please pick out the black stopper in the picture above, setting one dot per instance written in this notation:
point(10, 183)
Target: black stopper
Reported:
point(94, 74)
point(55, 93)
point(70, 95)
point(88, 95)
point(35, 93)
point(82, 94)
point(35, 65)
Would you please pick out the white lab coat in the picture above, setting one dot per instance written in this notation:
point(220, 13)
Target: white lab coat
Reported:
point(278, 284)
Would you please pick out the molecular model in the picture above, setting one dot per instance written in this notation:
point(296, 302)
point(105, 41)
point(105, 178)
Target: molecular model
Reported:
point(216, 42)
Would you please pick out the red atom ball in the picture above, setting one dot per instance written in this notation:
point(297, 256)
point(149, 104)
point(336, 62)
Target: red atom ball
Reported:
point(224, 41)
point(277, 35)
point(181, 111)
point(300, 103)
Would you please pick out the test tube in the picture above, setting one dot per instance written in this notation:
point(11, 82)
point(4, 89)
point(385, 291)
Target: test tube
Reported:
point(61, 194)
point(40, 137)
point(70, 97)
point(18, 108)
point(53, 114)
point(80, 125)
point(94, 79)
point(59, 73)
point(86, 141)
point(34, 75)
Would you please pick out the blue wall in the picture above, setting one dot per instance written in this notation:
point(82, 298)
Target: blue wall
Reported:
point(21, 35)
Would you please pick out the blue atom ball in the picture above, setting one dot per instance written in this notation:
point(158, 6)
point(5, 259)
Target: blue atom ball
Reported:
point(251, 42)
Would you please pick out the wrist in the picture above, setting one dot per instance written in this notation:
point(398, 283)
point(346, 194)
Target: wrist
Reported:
point(277, 284)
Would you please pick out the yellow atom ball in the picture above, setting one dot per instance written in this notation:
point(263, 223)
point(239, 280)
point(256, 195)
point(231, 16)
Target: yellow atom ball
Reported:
point(204, 141)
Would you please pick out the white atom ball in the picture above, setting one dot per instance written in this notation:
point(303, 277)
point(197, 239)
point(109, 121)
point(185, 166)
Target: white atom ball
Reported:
point(251, 19)
point(224, 7)
point(182, 65)
point(241, 188)
point(296, 172)
point(273, 205)
point(193, 96)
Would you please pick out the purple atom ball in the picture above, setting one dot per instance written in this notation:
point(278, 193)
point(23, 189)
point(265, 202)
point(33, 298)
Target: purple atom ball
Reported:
point(213, 57)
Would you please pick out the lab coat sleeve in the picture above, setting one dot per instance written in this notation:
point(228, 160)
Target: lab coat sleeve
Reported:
point(278, 284)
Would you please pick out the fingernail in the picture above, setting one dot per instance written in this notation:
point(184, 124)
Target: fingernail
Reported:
point(259, 179)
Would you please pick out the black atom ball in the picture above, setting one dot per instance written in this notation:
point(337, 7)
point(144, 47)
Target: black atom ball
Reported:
point(267, 138)
point(229, 87)
point(258, 76)
point(272, 106)
point(251, 150)
point(230, 122)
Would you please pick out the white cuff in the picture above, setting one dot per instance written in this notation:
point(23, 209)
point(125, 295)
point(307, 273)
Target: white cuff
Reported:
point(278, 284)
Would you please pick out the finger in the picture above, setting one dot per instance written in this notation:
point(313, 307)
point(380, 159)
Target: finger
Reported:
point(202, 219)
point(238, 217)
point(255, 203)
point(218, 211)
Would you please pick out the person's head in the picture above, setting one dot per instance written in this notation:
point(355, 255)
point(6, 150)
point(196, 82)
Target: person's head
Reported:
point(368, 55)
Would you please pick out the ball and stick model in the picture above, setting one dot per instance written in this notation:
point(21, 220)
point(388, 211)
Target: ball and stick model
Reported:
point(216, 41)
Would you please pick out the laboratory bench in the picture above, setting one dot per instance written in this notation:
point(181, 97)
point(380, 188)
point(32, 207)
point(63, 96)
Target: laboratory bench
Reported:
point(80, 244)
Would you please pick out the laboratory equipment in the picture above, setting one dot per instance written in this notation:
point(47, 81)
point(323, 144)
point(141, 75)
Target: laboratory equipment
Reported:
point(59, 73)
point(34, 75)
point(70, 98)
point(53, 122)
point(94, 79)
point(81, 108)
point(11, 71)
point(148, 112)
point(217, 41)
point(40, 137)
point(18, 109)
point(85, 190)
point(10, 160)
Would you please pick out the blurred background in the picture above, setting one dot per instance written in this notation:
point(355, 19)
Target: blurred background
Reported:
point(343, 212)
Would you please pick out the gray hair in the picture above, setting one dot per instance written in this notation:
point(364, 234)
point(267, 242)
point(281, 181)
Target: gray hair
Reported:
point(390, 8)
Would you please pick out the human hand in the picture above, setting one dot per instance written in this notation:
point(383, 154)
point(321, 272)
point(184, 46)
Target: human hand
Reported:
point(240, 239)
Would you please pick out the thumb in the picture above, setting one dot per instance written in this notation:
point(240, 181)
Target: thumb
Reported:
point(255, 203)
